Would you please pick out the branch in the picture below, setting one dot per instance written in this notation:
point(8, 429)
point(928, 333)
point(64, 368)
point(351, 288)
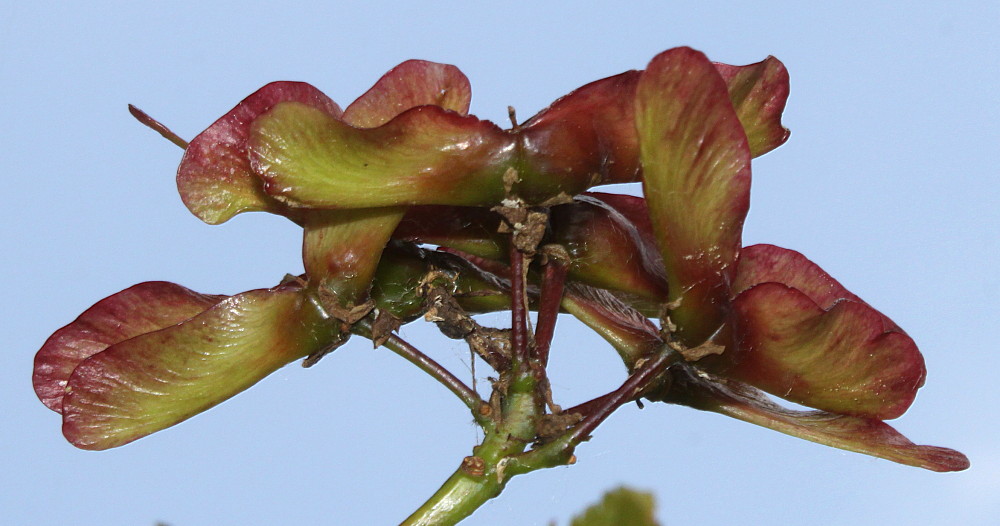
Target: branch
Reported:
point(553, 279)
point(633, 388)
point(480, 409)
point(518, 306)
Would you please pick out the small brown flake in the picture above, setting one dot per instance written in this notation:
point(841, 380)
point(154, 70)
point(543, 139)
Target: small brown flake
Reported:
point(474, 466)
point(383, 327)
point(701, 351)
point(315, 357)
point(551, 426)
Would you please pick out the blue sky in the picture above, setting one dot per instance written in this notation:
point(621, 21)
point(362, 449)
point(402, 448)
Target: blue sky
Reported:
point(889, 181)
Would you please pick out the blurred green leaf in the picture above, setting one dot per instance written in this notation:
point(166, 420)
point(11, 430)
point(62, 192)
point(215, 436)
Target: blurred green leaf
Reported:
point(620, 507)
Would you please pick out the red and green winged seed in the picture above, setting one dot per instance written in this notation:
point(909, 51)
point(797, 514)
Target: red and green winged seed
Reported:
point(137, 310)
point(426, 155)
point(157, 353)
point(587, 133)
point(412, 83)
point(215, 179)
point(869, 436)
point(342, 247)
point(591, 130)
point(156, 379)
point(802, 336)
point(696, 179)
point(758, 93)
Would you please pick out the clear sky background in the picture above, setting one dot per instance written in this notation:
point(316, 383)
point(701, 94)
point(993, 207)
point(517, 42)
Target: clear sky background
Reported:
point(889, 182)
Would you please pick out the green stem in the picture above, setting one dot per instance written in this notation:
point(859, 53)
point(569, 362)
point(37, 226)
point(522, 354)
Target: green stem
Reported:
point(560, 451)
point(468, 488)
point(460, 495)
point(483, 475)
point(518, 405)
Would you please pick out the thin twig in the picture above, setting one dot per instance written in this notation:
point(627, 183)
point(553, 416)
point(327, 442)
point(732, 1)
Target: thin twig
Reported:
point(586, 408)
point(632, 389)
point(518, 307)
point(157, 126)
point(553, 280)
point(399, 346)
